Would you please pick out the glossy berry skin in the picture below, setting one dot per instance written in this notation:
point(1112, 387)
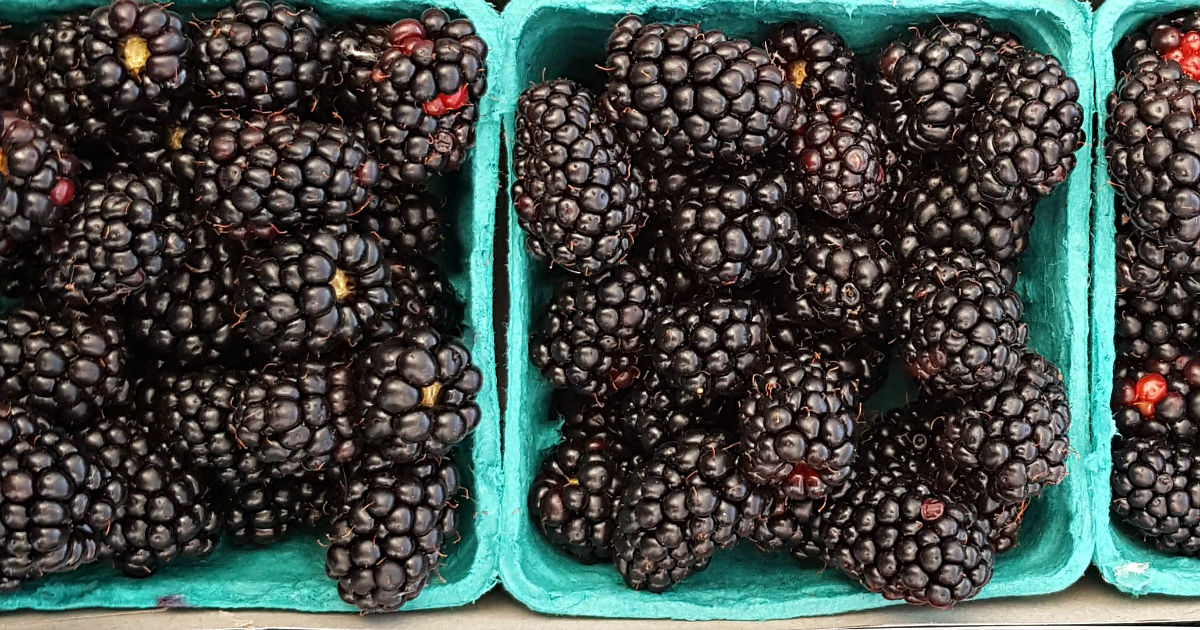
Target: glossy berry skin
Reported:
point(54, 79)
point(577, 197)
point(353, 50)
point(711, 347)
point(139, 57)
point(417, 395)
point(860, 360)
point(261, 56)
point(838, 154)
point(424, 297)
point(1182, 48)
point(37, 184)
point(946, 210)
point(651, 413)
point(842, 281)
point(679, 92)
point(901, 441)
point(1154, 490)
point(312, 294)
point(191, 413)
point(817, 63)
point(1143, 408)
point(407, 222)
point(265, 512)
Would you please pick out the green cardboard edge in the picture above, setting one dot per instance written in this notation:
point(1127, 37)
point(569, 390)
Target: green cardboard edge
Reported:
point(1125, 562)
point(98, 586)
point(611, 598)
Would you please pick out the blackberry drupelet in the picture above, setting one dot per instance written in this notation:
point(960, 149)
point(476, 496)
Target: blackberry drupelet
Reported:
point(817, 63)
point(37, 182)
point(711, 347)
point(678, 509)
point(927, 85)
point(736, 226)
point(424, 297)
point(53, 79)
point(407, 222)
point(945, 211)
point(574, 498)
point(423, 97)
point(417, 395)
point(841, 280)
point(959, 325)
point(900, 537)
point(126, 233)
point(138, 56)
point(577, 197)
point(316, 293)
point(261, 56)
point(265, 512)
point(1158, 399)
point(191, 413)
point(679, 92)
point(1023, 140)
point(838, 156)
point(797, 427)
point(595, 329)
point(392, 537)
point(1154, 485)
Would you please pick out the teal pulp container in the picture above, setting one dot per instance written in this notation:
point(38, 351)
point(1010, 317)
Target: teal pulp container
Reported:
point(1124, 560)
point(566, 38)
point(291, 575)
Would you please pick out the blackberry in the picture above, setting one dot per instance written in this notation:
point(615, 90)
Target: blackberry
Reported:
point(315, 293)
point(900, 537)
point(354, 49)
point(736, 226)
point(927, 85)
point(858, 360)
point(842, 281)
point(392, 537)
point(122, 239)
point(1016, 434)
point(10, 55)
point(37, 182)
point(901, 441)
point(296, 417)
point(424, 297)
point(189, 317)
point(817, 63)
point(139, 58)
point(945, 211)
point(417, 395)
point(711, 347)
point(407, 223)
point(1158, 399)
point(792, 525)
point(959, 325)
point(595, 329)
point(423, 98)
point(54, 77)
point(574, 498)
point(58, 501)
point(1023, 141)
point(683, 93)
point(191, 413)
point(900, 171)
point(261, 56)
point(838, 156)
point(265, 512)
point(1147, 269)
point(677, 510)
point(797, 426)
point(657, 248)
point(1157, 328)
point(650, 413)
point(575, 194)
point(1154, 485)
point(257, 178)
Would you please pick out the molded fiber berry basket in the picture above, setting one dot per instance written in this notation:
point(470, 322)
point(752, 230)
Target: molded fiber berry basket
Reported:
point(566, 38)
point(1125, 561)
point(291, 574)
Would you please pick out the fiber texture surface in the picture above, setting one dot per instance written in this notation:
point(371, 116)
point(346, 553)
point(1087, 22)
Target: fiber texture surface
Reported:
point(291, 575)
point(566, 38)
point(1124, 561)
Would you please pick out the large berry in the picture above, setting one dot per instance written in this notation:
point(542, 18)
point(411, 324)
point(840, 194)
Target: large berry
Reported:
point(838, 154)
point(139, 57)
point(842, 281)
point(817, 62)
point(1155, 486)
point(710, 347)
point(37, 182)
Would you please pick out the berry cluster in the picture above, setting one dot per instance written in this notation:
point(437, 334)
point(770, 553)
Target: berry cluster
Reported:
point(223, 318)
point(742, 235)
point(1156, 375)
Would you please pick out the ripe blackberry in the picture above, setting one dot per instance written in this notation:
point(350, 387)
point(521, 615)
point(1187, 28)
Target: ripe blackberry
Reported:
point(1158, 399)
point(1154, 485)
point(1157, 328)
point(37, 182)
point(858, 360)
point(678, 92)
point(817, 63)
point(261, 56)
point(54, 77)
point(1023, 140)
point(1014, 435)
point(10, 55)
point(596, 328)
point(123, 238)
point(417, 395)
point(797, 426)
point(792, 525)
point(423, 98)
point(315, 293)
point(166, 514)
point(944, 211)
point(191, 413)
point(736, 226)
point(650, 413)
point(265, 512)
point(1147, 269)
point(574, 498)
point(424, 297)
point(353, 50)
point(189, 317)
point(575, 194)
point(677, 510)
point(139, 58)
point(711, 347)
point(927, 85)
point(900, 537)
point(296, 417)
point(657, 248)
point(259, 177)
point(901, 441)
point(407, 222)
point(839, 158)
point(842, 281)
point(959, 325)
point(58, 501)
